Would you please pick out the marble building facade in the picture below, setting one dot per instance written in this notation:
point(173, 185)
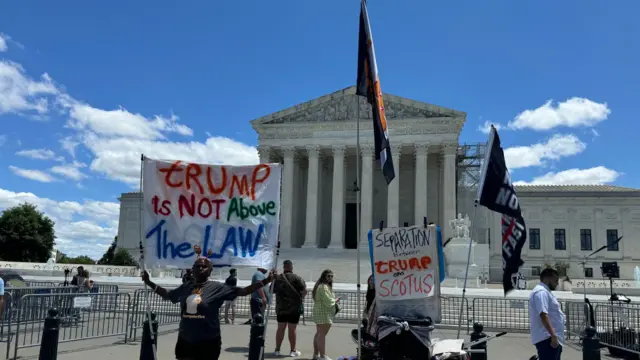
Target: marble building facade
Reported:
point(316, 142)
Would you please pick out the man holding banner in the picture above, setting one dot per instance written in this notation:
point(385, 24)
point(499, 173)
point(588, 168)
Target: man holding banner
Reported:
point(200, 302)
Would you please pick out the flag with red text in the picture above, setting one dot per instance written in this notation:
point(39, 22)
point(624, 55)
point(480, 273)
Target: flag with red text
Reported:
point(496, 192)
point(368, 85)
point(230, 214)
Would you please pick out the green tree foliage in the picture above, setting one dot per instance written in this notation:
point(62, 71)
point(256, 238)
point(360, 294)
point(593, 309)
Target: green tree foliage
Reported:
point(108, 256)
point(26, 234)
point(123, 258)
point(83, 259)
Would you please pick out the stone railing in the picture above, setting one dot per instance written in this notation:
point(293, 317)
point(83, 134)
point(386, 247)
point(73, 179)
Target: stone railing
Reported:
point(93, 269)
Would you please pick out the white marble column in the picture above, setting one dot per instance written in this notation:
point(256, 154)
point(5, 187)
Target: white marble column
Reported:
point(337, 200)
point(366, 192)
point(313, 188)
point(264, 152)
point(449, 187)
point(286, 197)
point(420, 207)
point(393, 190)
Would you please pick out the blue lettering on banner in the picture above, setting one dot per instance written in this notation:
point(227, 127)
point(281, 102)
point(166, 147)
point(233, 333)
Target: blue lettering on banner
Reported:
point(236, 237)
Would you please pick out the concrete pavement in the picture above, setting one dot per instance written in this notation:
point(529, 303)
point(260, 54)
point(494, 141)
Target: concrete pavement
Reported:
point(236, 337)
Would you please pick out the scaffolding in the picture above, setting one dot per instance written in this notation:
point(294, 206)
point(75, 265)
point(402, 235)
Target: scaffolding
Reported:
point(469, 167)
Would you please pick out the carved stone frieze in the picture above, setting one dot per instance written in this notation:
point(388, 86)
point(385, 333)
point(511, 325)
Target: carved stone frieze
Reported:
point(345, 107)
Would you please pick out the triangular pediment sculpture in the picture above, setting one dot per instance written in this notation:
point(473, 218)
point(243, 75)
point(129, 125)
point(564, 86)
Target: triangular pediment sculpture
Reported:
point(342, 106)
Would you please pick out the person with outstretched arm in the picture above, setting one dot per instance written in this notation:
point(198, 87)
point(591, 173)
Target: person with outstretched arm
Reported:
point(200, 301)
point(546, 317)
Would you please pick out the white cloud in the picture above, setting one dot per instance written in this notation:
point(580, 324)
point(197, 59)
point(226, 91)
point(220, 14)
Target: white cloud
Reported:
point(594, 176)
point(120, 122)
point(31, 174)
point(3, 139)
point(485, 128)
point(71, 171)
point(82, 228)
point(20, 94)
point(69, 145)
point(119, 159)
point(3, 43)
point(39, 154)
point(575, 112)
point(558, 146)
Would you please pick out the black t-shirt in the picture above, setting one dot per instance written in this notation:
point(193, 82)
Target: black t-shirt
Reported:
point(199, 307)
point(231, 281)
point(288, 298)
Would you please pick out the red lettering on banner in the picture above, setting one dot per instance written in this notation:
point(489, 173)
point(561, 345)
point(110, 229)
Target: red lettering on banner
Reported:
point(175, 167)
point(406, 286)
point(393, 266)
point(204, 208)
point(194, 177)
point(212, 187)
point(193, 171)
point(255, 180)
point(161, 207)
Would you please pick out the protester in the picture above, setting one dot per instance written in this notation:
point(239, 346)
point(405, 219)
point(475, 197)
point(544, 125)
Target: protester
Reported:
point(371, 311)
point(290, 290)
point(324, 309)
point(74, 280)
point(232, 281)
point(259, 297)
point(546, 317)
point(83, 282)
point(200, 302)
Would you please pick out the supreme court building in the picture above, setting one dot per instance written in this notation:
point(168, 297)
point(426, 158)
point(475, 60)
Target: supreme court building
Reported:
point(316, 142)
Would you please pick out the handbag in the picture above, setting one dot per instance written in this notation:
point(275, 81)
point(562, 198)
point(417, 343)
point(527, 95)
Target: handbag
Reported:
point(301, 308)
point(338, 307)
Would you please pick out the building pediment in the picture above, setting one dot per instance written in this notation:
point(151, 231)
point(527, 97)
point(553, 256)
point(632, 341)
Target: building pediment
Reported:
point(343, 106)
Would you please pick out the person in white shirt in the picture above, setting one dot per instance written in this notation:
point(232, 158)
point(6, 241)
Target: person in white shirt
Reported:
point(546, 317)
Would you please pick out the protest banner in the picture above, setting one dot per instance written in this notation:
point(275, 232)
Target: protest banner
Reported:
point(406, 271)
point(228, 213)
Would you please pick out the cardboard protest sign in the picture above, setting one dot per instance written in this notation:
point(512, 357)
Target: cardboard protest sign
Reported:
point(406, 271)
point(230, 214)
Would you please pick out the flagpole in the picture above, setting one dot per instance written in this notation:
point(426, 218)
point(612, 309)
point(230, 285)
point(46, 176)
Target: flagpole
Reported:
point(473, 226)
point(359, 231)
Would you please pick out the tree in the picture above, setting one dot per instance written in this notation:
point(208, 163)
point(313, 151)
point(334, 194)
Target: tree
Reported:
point(26, 234)
point(82, 259)
point(123, 258)
point(108, 256)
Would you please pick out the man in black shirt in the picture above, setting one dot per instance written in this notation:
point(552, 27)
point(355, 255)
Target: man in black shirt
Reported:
point(200, 302)
point(290, 290)
point(232, 281)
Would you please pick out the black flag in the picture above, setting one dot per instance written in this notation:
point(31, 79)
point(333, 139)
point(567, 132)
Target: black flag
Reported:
point(496, 193)
point(368, 85)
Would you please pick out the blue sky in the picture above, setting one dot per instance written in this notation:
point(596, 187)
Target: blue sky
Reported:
point(84, 89)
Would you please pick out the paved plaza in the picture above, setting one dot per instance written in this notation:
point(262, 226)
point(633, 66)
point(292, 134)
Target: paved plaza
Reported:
point(236, 337)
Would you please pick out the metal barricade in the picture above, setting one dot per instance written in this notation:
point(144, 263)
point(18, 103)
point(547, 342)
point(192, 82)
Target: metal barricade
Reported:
point(42, 284)
point(166, 312)
point(450, 310)
point(81, 317)
point(501, 314)
point(617, 327)
point(5, 322)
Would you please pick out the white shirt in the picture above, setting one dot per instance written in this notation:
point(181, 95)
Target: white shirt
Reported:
point(543, 301)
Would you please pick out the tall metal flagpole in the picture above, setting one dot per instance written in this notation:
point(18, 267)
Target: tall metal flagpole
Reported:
point(359, 231)
point(148, 302)
point(473, 225)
